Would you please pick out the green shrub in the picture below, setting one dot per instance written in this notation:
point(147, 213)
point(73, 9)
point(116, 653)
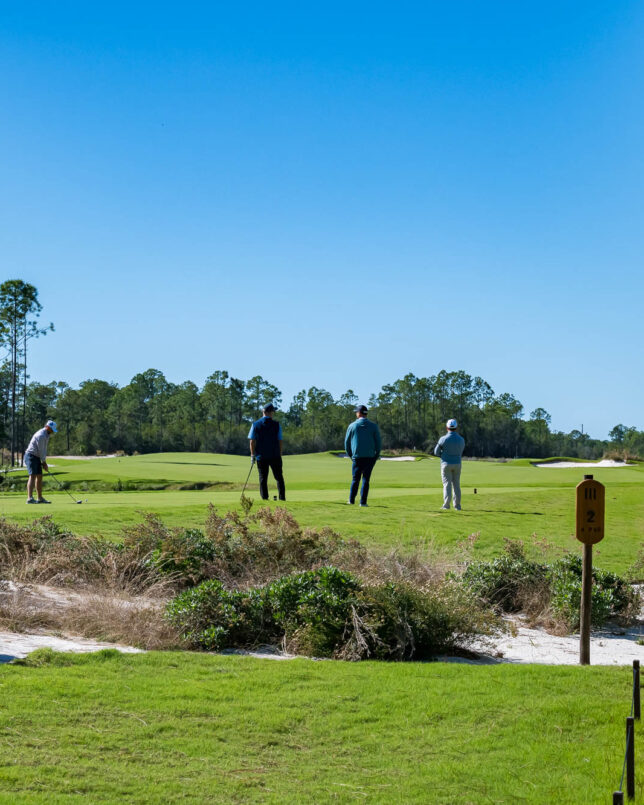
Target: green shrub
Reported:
point(506, 580)
point(514, 583)
point(328, 613)
point(211, 617)
point(313, 608)
point(612, 597)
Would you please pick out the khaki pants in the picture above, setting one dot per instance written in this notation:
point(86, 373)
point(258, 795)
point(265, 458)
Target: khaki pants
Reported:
point(451, 475)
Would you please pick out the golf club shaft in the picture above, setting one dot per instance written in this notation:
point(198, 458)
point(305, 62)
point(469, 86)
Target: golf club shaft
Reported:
point(62, 487)
point(247, 478)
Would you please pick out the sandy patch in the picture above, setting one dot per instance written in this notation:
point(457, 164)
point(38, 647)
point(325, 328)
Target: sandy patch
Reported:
point(605, 462)
point(607, 647)
point(13, 646)
point(398, 458)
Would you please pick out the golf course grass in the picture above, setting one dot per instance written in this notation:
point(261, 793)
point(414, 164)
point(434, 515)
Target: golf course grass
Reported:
point(169, 727)
point(513, 499)
point(182, 727)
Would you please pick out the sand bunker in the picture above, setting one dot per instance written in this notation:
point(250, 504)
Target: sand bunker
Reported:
point(605, 462)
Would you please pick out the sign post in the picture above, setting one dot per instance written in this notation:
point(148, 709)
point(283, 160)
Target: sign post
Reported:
point(590, 509)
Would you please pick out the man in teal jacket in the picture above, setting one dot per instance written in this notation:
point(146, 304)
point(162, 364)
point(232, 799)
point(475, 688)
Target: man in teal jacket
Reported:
point(362, 444)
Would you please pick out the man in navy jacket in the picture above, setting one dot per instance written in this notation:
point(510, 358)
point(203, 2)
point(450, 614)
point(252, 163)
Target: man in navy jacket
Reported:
point(265, 437)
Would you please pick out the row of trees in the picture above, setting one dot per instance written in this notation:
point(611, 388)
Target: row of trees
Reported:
point(151, 414)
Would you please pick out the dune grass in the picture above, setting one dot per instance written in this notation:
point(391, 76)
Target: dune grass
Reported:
point(513, 499)
point(197, 728)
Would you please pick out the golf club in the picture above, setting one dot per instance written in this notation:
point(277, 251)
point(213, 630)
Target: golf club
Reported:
point(63, 488)
point(252, 464)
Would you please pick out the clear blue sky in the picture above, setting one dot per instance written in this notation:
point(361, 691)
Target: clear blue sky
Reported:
point(332, 195)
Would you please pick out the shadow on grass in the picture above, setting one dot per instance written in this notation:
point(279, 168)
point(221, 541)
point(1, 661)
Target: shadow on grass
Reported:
point(505, 511)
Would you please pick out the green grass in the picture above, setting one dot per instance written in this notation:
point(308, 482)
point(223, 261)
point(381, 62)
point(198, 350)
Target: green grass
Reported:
point(513, 499)
point(160, 728)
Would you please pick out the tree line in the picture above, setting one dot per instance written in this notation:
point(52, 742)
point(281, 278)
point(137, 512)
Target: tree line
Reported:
point(152, 414)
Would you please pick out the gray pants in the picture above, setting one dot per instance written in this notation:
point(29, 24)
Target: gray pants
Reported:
point(451, 475)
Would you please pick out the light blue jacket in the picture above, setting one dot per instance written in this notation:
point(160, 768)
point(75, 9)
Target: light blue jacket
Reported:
point(450, 448)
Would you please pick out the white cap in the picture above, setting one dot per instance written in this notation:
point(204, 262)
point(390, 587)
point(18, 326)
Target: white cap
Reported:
point(51, 424)
point(452, 424)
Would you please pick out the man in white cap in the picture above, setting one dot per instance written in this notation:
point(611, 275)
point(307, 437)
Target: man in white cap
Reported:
point(450, 450)
point(36, 461)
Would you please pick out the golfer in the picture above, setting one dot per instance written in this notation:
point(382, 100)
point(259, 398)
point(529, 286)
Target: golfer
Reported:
point(265, 437)
point(362, 444)
point(450, 450)
point(36, 460)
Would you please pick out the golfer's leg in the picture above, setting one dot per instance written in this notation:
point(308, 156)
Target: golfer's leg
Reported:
point(262, 471)
point(278, 474)
point(39, 486)
point(447, 484)
point(355, 483)
point(456, 483)
point(367, 467)
point(31, 481)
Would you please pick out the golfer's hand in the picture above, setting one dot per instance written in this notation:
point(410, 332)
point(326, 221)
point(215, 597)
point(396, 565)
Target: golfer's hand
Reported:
point(252, 460)
point(45, 467)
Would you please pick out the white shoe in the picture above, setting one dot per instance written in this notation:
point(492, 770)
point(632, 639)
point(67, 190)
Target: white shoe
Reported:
point(444, 508)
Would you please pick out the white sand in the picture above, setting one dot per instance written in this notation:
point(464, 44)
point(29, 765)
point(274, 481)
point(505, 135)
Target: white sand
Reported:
point(607, 647)
point(13, 645)
point(605, 462)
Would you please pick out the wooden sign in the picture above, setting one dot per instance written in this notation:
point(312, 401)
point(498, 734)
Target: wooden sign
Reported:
point(591, 506)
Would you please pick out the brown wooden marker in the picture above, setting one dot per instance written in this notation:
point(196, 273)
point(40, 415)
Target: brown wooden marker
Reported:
point(589, 516)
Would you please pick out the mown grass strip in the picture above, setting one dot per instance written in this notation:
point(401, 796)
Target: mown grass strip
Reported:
point(185, 727)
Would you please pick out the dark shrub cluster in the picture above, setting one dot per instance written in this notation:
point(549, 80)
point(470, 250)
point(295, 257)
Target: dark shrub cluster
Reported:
point(550, 591)
point(329, 613)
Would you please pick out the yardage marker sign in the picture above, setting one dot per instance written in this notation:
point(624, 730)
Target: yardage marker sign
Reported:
point(590, 510)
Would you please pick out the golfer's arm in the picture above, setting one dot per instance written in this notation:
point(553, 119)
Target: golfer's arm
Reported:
point(280, 447)
point(253, 444)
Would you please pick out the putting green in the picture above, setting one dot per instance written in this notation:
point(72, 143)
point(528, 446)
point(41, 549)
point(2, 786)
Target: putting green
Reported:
point(513, 499)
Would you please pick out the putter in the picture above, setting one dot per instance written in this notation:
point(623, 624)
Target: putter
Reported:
point(63, 488)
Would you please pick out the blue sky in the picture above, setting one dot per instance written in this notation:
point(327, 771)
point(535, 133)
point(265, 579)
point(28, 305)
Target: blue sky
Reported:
point(333, 196)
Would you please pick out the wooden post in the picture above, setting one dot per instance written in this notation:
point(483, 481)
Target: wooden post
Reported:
point(586, 603)
point(589, 527)
point(636, 690)
point(630, 757)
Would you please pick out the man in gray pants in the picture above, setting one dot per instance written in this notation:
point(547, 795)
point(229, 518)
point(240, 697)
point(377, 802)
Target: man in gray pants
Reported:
point(450, 449)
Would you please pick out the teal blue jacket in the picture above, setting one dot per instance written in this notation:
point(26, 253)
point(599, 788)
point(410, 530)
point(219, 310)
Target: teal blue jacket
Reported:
point(363, 439)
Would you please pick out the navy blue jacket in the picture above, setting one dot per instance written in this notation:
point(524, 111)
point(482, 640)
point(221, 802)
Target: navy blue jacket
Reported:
point(267, 434)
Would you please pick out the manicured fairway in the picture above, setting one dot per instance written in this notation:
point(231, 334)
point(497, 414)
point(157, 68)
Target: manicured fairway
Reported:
point(161, 728)
point(513, 499)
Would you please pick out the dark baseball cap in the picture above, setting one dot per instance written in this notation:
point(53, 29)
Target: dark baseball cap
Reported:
point(269, 408)
point(361, 409)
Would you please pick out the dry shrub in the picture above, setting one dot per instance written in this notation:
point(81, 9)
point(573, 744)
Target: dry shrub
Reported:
point(256, 549)
point(104, 616)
